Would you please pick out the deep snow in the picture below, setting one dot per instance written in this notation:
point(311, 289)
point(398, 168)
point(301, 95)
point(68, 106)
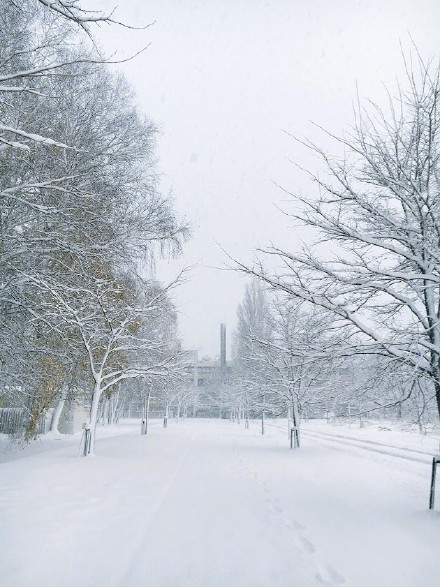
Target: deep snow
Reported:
point(208, 503)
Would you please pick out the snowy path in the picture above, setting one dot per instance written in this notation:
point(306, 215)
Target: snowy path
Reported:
point(207, 503)
point(215, 525)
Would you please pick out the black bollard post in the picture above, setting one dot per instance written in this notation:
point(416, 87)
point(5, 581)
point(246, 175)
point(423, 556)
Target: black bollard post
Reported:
point(435, 462)
point(86, 439)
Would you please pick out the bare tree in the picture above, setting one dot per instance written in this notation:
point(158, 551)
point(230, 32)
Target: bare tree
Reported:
point(285, 362)
point(113, 320)
point(379, 206)
point(300, 358)
point(253, 381)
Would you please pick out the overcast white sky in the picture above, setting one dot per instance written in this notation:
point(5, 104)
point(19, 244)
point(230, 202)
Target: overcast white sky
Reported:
point(223, 79)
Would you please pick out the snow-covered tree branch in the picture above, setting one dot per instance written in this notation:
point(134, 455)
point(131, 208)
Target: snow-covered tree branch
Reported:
point(379, 206)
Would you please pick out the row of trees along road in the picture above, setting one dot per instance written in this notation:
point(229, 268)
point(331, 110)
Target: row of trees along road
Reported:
point(374, 272)
point(280, 364)
point(80, 216)
point(288, 361)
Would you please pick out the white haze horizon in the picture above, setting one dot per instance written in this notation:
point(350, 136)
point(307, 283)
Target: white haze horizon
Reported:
point(226, 82)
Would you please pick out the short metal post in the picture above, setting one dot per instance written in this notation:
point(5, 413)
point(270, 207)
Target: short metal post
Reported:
point(86, 439)
point(87, 443)
point(435, 461)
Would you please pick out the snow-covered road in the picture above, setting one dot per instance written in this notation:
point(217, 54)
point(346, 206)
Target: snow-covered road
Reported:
point(208, 503)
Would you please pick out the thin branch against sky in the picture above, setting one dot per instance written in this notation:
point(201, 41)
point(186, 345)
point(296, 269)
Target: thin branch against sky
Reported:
point(223, 80)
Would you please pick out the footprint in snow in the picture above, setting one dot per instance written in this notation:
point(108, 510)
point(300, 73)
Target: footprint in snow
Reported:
point(304, 545)
point(327, 575)
point(294, 525)
point(274, 507)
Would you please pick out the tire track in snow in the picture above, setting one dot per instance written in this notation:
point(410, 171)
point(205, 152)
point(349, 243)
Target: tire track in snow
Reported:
point(325, 573)
point(382, 449)
point(367, 445)
point(134, 556)
point(373, 442)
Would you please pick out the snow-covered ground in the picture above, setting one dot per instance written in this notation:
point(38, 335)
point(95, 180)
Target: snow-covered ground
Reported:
point(208, 503)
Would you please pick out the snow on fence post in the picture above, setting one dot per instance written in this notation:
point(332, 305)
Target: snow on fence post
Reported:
point(143, 426)
point(435, 462)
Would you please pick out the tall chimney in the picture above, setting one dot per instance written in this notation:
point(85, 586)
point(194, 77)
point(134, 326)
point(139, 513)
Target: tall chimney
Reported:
point(222, 346)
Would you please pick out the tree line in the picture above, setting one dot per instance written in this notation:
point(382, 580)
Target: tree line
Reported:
point(82, 220)
point(292, 361)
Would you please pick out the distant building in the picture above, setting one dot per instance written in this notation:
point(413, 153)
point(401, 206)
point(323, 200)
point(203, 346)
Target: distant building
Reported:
point(206, 371)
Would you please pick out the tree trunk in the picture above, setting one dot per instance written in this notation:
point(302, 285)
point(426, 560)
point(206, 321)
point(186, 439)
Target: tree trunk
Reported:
point(262, 422)
point(295, 443)
point(113, 407)
point(93, 416)
point(59, 409)
point(289, 422)
point(361, 419)
point(118, 411)
point(148, 413)
point(437, 394)
point(103, 412)
point(165, 418)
